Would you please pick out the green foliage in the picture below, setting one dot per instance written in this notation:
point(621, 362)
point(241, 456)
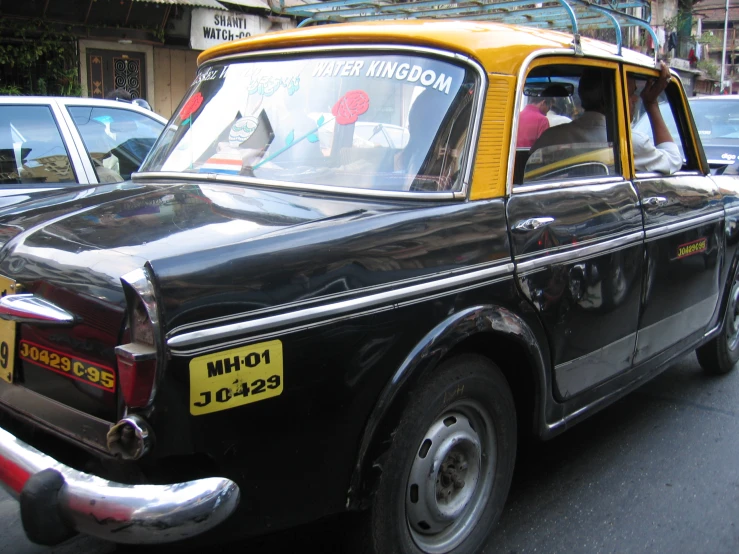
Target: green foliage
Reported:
point(679, 22)
point(709, 39)
point(10, 90)
point(40, 58)
point(709, 67)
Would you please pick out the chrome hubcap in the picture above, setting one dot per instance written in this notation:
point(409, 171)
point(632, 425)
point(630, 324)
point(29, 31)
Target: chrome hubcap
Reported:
point(451, 478)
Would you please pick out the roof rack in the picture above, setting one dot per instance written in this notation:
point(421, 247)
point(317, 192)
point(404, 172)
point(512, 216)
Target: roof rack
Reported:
point(564, 15)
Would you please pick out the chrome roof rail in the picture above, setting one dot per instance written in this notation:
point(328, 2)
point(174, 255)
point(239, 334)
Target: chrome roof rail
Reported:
point(563, 15)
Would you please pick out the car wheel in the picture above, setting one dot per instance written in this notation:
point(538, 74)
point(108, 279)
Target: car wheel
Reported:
point(720, 354)
point(447, 473)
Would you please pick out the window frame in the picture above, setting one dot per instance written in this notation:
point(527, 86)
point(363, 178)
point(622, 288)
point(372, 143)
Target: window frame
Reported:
point(695, 158)
point(619, 140)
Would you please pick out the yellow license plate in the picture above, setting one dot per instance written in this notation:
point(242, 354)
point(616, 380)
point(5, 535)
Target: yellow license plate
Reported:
point(235, 377)
point(7, 335)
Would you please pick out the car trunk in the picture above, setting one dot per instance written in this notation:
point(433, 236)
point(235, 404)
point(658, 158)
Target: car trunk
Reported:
point(74, 255)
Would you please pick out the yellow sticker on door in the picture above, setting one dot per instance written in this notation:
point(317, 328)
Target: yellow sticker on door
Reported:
point(235, 377)
point(691, 248)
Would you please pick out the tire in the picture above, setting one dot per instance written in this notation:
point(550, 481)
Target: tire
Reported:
point(448, 470)
point(719, 355)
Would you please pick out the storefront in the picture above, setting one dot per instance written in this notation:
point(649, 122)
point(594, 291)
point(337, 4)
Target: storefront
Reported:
point(149, 48)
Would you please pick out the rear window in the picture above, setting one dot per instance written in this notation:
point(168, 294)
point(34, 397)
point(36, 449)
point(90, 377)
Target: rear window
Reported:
point(385, 122)
point(717, 119)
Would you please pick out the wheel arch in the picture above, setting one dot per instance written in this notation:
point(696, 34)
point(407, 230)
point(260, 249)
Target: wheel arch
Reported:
point(730, 269)
point(492, 331)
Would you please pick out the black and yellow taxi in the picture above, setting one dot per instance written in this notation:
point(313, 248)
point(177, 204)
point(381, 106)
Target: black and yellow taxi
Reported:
point(338, 285)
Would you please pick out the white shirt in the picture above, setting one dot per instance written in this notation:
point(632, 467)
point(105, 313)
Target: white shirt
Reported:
point(556, 119)
point(590, 127)
point(664, 158)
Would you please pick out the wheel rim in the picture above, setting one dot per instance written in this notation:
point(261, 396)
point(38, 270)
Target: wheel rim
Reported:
point(732, 318)
point(451, 477)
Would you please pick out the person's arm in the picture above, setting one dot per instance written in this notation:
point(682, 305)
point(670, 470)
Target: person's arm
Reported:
point(650, 98)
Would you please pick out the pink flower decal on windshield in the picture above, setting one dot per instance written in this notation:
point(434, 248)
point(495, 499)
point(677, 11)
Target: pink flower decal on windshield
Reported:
point(191, 106)
point(350, 106)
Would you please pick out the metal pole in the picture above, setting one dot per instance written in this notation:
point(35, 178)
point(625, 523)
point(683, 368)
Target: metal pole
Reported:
point(723, 51)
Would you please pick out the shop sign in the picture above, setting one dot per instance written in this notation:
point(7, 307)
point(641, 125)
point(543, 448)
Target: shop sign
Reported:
point(214, 27)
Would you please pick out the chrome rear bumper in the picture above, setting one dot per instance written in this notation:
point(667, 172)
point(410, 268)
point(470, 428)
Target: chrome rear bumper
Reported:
point(133, 514)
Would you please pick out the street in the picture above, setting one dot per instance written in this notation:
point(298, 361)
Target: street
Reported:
point(656, 472)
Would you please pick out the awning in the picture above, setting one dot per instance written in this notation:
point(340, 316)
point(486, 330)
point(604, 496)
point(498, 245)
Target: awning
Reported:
point(261, 4)
point(213, 4)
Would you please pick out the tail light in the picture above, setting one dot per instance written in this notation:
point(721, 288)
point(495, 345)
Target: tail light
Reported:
point(139, 360)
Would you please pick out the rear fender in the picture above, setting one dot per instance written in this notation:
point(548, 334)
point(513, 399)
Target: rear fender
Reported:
point(428, 353)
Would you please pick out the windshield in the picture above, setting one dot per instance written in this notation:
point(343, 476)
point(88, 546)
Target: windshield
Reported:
point(384, 121)
point(716, 119)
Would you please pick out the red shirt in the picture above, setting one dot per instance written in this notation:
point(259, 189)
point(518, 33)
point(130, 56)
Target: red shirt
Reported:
point(531, 124)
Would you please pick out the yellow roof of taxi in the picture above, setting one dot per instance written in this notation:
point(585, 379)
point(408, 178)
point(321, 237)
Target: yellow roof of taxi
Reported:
point(500, 48)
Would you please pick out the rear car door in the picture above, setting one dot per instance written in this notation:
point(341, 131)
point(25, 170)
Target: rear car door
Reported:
point(114, 139)
point(683, 219)
point(577, 237)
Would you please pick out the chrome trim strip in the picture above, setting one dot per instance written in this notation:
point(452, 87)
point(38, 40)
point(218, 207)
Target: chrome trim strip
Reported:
point(662, 335)
point(27, 308)
point(75, 146)
point(670, 228)
point(720, 162)
point(519, 189)
point(712, 331)
point(334, 309)
point(285, 186)
point(732, 210)
point(580, 252)
point(574, 376)
point(117, 512)
point(341, 318)
point(645, 175)
point(472, 139)
point(517, 106)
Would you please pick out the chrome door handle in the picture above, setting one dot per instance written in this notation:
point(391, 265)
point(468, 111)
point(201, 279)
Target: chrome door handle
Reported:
point(654, 201)
point(532, 224)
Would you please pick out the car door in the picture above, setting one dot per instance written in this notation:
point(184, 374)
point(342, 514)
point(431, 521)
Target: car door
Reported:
point(683, 221)
point(577, 238)
point(37, 153)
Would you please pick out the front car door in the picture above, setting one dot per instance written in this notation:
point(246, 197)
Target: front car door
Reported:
point(683, 219)
point(577, 235)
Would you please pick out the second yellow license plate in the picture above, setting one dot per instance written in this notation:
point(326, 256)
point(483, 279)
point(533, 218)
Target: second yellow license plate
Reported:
point(7, 335)
point(235, 377)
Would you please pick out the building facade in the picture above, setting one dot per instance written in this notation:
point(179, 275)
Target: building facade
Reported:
point(92, 47)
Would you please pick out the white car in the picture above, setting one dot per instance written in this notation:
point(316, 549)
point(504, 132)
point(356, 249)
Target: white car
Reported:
point(52, 143)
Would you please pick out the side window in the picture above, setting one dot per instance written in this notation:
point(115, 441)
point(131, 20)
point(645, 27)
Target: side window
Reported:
point(567, 127)
point(654, 152)
point(31, 148)
point(117, 140)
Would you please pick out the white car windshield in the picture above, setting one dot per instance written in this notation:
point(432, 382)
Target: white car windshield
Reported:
point(384, 122)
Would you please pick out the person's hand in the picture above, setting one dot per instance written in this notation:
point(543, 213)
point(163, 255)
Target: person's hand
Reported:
point(654, 87)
